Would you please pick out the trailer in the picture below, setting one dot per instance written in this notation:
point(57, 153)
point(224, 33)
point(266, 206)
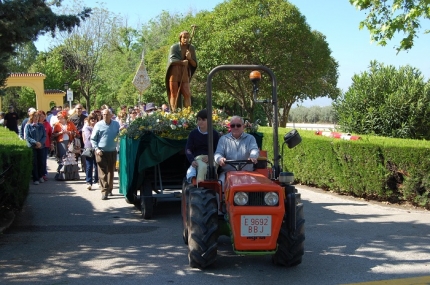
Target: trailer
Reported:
point(151, 169)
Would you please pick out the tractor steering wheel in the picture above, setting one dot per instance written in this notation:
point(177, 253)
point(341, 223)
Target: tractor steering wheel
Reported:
point(238, 164)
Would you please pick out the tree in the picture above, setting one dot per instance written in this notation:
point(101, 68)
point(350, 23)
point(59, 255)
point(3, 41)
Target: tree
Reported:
point(84, 48)
point(271, 33)
point(25, 21)
point(386, 101)
point(53, 65)
point(118, 65)
point(386, 18)
point(24, 57)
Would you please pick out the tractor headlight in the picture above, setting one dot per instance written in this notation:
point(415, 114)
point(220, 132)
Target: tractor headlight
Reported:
point(241, 198)
point(271, 199)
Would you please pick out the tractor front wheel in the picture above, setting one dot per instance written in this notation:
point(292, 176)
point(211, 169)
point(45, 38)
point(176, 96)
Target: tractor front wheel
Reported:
point(291, 242)
point(203, 228)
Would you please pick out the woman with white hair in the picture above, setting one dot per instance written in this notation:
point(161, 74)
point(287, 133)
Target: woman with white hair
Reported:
point(35, 136)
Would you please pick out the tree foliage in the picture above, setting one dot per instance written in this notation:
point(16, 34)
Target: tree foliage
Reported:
point(25, 21)
point(388, 102)
point(312, 115)
point(25, 55)
point(86, 48)
point(386, 18)
point(53, 65)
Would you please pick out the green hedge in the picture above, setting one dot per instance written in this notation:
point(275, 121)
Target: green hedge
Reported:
point(376, 168)
point(15, 152)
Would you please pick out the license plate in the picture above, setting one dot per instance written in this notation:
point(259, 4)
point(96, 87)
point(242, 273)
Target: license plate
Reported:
point(256, 225)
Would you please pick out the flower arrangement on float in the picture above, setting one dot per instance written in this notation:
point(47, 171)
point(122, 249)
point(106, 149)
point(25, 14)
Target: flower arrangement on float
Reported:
point(177, 125)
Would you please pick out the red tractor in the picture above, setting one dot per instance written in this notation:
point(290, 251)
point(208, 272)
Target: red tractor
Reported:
point(260, 210)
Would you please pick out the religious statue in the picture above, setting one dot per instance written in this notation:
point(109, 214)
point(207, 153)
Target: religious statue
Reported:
point(182, 64)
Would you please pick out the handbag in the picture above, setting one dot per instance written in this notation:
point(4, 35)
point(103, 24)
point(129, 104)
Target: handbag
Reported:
point(75, 146)
point(88, 152)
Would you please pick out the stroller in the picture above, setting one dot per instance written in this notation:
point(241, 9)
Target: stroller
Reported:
point(68, 168)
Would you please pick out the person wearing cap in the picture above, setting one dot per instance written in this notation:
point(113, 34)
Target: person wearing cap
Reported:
point(24, 122)
point(11, 120)
point(150, 108)
point(197, 144)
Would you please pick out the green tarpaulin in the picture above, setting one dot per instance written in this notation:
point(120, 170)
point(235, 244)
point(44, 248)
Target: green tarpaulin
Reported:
point(137, 155)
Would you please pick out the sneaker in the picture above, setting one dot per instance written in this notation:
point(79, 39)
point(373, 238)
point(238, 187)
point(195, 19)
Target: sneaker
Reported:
point(95, 186)
point(104, 196)
point(45, 178)
point(88, 186)
point(41, 180)
point(36, 182)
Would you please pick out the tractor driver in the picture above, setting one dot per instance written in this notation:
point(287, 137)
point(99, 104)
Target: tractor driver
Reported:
point(236, 145)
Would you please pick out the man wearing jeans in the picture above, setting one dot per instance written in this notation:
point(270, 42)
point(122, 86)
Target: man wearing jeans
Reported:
point(103, 141)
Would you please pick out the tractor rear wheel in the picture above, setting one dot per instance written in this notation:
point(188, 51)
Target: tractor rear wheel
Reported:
point(203, 228)
point(291, 243)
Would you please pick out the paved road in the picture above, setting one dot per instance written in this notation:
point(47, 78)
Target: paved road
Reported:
point(68, 235)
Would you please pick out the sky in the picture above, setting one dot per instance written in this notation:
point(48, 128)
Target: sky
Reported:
point(338, 20)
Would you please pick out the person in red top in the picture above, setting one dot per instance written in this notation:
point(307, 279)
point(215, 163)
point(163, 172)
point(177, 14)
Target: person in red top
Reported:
point(63, 133)
point(48, 144)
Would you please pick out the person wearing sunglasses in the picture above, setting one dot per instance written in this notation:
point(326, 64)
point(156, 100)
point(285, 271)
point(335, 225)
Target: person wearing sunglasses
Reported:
point(236, 145)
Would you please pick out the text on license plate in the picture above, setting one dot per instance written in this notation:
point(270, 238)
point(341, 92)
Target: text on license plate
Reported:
point(256, 226)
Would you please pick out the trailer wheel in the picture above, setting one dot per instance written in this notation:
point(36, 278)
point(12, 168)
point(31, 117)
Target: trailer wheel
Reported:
point(146, 200)
point(203, 228)
point(291, 243)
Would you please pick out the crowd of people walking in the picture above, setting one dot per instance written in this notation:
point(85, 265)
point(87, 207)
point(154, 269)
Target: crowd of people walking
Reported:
point(52, 134)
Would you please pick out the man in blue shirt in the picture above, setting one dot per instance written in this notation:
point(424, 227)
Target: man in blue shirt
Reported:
point(103, 141)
